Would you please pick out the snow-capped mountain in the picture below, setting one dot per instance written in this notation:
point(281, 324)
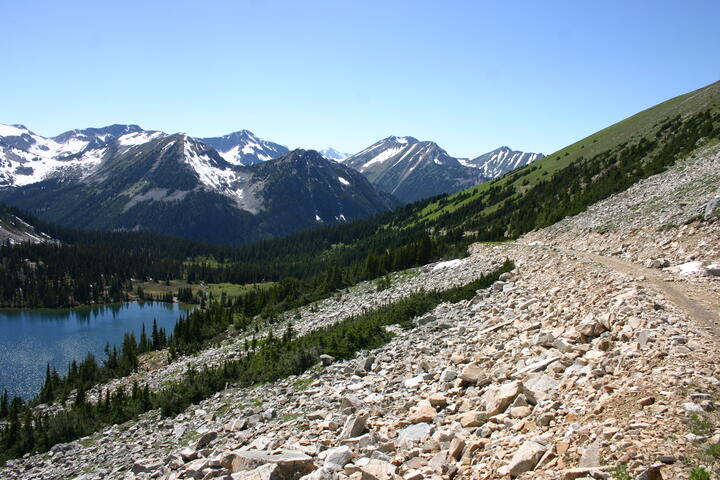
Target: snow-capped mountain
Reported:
point(412, 170)
point(179, 185)
point(27, 158)
point(332, 154)
point(244, 148)
point(501, 161)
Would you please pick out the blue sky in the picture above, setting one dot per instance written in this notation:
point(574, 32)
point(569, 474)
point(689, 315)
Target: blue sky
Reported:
point(471, 75)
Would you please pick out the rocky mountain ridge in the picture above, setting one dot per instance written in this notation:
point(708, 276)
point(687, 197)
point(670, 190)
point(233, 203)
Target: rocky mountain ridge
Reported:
point(500, 161)
point(412, 170)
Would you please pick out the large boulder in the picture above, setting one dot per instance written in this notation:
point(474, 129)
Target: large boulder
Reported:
point(525, 458)
point(413, 434)
point(497, 399)
point(537, 387)
point(474, 374)
point(337, 458)
point(147, 465)
point(377, 469)
point(290, 464)
point(423, 413)
point(355, 425)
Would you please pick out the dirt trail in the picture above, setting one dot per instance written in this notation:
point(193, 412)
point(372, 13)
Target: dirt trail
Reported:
point(700, 306)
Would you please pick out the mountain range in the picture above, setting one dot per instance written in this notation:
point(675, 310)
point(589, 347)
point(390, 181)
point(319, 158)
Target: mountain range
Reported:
point(179, 185)
point(413, 170)
point(230, 189)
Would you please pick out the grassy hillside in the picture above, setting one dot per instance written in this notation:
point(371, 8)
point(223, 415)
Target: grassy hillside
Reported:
point(640, 140)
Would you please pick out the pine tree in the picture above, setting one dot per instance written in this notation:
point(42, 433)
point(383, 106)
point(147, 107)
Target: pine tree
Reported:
point(144, 345)
point(80, 395)
point(155, 335)
point(4, 409)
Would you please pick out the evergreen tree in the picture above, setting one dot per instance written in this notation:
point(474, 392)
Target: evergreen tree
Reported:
point(4, 408)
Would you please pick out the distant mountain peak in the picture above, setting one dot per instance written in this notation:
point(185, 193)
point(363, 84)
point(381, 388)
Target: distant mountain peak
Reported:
point(411, 169)
point(244, 148)
point(402, 140)
point(333, 154)
point(502, 160)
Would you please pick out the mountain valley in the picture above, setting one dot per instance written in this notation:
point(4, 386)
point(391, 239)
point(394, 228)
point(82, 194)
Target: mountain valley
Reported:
point(558, 321)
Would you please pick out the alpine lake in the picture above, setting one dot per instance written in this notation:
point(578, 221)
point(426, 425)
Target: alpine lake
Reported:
point(31, 339)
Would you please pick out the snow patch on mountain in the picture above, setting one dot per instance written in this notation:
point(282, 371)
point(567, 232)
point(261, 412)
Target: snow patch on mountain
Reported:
point(211, 175)
point(12, 130)
point(381, 157)
point(138, 138)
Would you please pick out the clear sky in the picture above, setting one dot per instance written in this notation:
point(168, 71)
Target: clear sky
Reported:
point(470, 75)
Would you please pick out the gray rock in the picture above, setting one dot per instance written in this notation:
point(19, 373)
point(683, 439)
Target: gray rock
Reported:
point(412, 434)
point(205, 440)
point(448, 375)
point(327, 359)
point(525, 458)
point(537, 387)
point(590, 457)
point(355, 425)
point(147, 465)
point(337, 458)
point(712, 207)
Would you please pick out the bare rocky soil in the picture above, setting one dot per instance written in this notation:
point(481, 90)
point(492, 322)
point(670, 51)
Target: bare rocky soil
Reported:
point(589, 360)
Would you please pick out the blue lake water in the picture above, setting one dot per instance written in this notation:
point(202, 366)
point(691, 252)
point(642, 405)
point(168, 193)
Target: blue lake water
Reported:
point(30, 339)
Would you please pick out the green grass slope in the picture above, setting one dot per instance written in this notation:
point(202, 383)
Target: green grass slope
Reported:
point(637, 147)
